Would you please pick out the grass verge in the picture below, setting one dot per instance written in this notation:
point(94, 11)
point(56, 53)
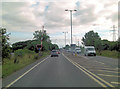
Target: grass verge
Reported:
point(107, 53)
point(10, 67)
point(0, 70)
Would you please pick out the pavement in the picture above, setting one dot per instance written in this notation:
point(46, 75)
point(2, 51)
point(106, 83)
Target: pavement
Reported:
point(67, 70)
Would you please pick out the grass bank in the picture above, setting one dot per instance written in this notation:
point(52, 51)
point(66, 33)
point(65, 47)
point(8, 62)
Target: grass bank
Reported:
point(9, 66)
point(0, 70)
point(108, 53)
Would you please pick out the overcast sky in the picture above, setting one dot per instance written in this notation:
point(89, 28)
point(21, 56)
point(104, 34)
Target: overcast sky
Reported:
point(21, 19)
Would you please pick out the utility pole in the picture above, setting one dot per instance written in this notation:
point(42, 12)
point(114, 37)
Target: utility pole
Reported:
point(75, 39)
point(42, 37)
point(65, 37)
point(114, 34)
point(78, 42)
point(70, 21)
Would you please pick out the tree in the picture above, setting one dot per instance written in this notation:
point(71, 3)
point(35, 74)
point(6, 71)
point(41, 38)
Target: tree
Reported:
point(105, 44)
point(31, 44)
point(119, 44)
point(4, 38)
point(41, 35)
point(67, 47)
point(92, 39)
point(21, 44)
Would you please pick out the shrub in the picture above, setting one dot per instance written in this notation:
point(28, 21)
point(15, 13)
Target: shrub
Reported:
point(22, 52)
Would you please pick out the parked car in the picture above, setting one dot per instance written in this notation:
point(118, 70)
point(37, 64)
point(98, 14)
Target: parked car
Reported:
point(89, 50)
point(54, 53)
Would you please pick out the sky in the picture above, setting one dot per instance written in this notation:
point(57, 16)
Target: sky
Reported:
point(23, 18)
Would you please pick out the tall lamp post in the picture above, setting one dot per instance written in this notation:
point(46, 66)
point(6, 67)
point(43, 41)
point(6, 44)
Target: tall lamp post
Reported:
point(71, 21)
point(65, 37)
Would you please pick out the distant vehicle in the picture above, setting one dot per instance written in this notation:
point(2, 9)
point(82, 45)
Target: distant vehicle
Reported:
point(54, 53)
point(73, 46)
point(78, 50)
point(58, 51)
point(89, 50)
point(69, 50)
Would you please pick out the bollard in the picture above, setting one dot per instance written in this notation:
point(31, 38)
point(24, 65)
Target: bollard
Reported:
point(75, 54)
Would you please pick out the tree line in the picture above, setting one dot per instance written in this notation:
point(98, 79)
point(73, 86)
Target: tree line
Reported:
point(28, 44)
point(92, 38)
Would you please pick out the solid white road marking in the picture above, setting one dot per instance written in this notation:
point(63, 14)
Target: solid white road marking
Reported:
point(108, 75)
point(106, 71)
point(100, 62)
point(115, 82)
point(25, 73)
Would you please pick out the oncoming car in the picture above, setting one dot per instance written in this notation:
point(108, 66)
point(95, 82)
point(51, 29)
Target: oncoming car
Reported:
point(54, 53)
point(89, 50)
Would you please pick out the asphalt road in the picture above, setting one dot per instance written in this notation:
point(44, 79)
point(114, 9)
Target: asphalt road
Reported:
point(104, 60)
point(54, 72)
point(105, 68)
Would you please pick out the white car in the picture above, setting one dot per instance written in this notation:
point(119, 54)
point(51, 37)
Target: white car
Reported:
point(89, 50)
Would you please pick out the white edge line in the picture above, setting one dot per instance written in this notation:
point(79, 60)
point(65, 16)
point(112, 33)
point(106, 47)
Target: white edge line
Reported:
point(26, 72)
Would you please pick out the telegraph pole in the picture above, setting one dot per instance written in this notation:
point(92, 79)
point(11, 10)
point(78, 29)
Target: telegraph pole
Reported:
point(114, 34)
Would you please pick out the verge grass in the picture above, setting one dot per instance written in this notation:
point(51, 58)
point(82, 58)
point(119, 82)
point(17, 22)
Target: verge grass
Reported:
point(9, 66)
point(0, 70)
point(108, 53)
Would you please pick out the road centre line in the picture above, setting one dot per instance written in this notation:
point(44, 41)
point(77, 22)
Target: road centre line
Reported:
point(108, 75)
point(25, 73)
point(90, 74)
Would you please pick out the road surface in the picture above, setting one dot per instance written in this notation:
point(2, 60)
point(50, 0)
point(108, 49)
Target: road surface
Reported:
point(54, 72)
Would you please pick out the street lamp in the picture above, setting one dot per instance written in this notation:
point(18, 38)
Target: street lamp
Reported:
point(65, 37)
point(71, 21)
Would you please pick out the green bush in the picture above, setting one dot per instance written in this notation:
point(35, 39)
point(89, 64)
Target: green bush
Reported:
point(22, 52)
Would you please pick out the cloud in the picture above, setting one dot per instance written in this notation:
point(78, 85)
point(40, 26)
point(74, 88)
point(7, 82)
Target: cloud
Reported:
point(29, 16)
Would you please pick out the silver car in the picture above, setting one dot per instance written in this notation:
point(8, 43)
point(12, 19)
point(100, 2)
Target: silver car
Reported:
point(54, 53)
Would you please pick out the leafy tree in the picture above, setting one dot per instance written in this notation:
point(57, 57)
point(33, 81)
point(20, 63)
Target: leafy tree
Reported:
point(105, 44)
point(21, 45)
point(38, 35)
point(31, 44)
point(67, 47)
point(55, 46)
point(113, 46)
point(119, 44)
point(4, 38)
point(92, 39)
point(42, 35)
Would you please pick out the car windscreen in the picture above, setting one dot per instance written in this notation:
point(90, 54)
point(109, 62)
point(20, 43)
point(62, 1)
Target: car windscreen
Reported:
point(77, 49)
point(90, 49)
point(53, 51)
